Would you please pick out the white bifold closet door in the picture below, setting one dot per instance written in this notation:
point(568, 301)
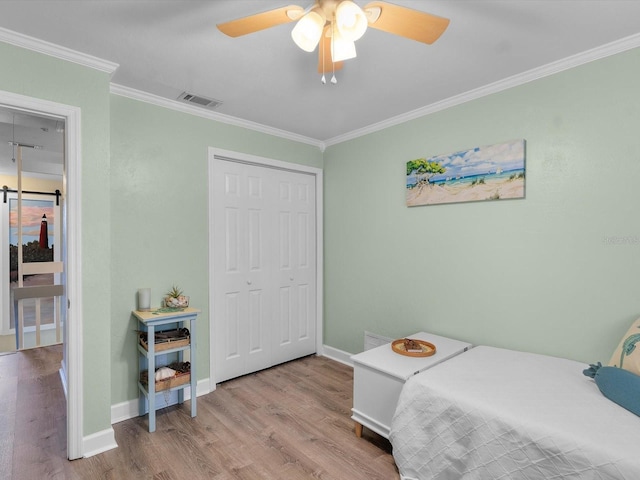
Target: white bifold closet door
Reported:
point(264, 267)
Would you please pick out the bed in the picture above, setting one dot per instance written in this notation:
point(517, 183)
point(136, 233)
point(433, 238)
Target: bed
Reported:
point(492, 413)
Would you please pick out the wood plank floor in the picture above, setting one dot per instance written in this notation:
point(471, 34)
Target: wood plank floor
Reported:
point(288, 422)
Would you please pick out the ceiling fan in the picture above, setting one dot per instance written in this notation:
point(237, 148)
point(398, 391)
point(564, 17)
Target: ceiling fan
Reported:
point(335, 25)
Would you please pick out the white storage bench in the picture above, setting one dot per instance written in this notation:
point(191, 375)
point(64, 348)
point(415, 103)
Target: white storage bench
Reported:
point(380, 373)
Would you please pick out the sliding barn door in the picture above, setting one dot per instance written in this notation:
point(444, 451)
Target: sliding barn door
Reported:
point(264, 268)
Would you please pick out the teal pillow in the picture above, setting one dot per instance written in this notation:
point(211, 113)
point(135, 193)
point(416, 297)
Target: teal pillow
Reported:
point(618, 385)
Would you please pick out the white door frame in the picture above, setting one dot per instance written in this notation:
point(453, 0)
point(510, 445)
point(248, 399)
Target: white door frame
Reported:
point(72, 371)
point(217, 153)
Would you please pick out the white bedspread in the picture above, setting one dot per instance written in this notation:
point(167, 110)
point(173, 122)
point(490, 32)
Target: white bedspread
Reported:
point(492, 414)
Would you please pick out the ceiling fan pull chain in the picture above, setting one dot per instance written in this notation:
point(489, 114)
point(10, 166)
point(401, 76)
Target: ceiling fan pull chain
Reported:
point(334, 80)
point(323, 80)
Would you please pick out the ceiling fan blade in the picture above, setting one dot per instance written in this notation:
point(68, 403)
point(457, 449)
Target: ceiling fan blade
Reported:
point(324, 50)
point(260, 21)
point(406, 22)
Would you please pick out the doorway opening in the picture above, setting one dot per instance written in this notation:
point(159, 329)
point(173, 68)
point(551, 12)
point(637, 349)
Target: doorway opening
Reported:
point(31, 177)
point(69, 239)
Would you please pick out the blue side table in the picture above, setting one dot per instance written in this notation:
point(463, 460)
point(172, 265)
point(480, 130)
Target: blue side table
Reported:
point(149, 321)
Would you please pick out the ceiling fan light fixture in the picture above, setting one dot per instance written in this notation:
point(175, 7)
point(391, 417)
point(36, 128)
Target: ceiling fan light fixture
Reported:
point(341, 48)
point(350, 20)
point(307, 32)
point(337, 24)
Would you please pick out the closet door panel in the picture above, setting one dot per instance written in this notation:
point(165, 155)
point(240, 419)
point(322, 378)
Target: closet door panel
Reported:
point(240, 303)
point(297, 269)
point(264, 224)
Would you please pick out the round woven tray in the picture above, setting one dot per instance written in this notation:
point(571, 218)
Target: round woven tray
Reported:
point(428, 349)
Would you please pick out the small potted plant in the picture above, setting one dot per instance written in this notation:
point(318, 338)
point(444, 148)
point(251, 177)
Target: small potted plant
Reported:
point(175, 298)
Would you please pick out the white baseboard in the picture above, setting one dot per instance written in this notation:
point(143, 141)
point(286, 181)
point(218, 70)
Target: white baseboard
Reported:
point(129, 409)
point(337, 355)
point(99, 442)
point(124, 411)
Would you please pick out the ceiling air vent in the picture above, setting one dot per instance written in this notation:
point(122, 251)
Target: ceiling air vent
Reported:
point(209, 103)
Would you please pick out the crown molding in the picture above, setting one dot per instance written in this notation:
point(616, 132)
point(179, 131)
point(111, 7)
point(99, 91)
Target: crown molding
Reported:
point(63, 53)
point(619, 46)
point(47, 48)
point(219, 117)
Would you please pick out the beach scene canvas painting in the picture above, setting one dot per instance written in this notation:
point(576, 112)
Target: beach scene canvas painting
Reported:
point(493, 172)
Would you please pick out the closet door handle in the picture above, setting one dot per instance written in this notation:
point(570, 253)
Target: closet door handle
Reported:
point(248, 282)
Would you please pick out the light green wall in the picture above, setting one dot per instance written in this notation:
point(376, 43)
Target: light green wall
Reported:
point(40, 76)
point(159, 204)
point(533, 274)
point(148, 165)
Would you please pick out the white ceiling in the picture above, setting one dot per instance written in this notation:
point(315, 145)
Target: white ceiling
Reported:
point(41, 139)
point(167, 47)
